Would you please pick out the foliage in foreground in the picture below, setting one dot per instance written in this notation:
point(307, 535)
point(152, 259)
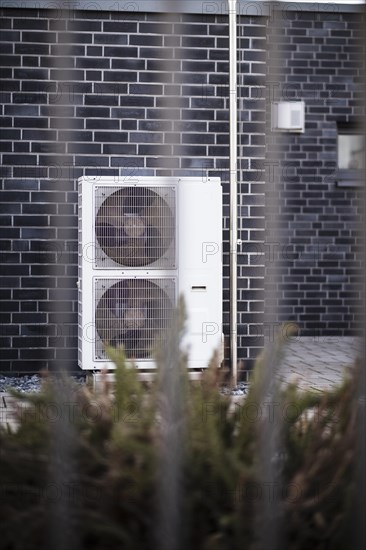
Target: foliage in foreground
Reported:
point(108, 492)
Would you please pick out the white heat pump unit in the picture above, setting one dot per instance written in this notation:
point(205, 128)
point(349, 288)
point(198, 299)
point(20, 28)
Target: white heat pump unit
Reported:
point(288, 116)
point(142, 243)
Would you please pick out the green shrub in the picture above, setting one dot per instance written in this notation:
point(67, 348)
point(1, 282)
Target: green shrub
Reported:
point(114, 441)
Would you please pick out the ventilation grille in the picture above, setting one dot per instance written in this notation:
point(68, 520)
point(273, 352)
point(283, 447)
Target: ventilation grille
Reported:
point(288, 116)
point(133, 313)
point(135, 227)
point(295, 118)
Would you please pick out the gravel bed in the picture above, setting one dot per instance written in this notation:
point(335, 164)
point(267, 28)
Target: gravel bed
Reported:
point(28, 383)
point(241, 389)
point(32, 383)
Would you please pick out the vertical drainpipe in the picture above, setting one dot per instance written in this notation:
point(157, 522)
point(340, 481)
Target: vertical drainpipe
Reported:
point(233, 188)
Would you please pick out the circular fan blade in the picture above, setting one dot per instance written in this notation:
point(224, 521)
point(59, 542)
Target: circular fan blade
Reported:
point(158, 210)
point(110, 214)
point(111, 311)
point(131, 341)
point(133, 253)
point(109, 236)
point(133, 313)
point(134, 226)
point(136, 198)
point(159, 216)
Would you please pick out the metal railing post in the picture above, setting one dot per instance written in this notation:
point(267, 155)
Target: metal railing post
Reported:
point(233, 188)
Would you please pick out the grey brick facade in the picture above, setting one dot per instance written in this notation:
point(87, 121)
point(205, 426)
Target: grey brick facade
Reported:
point(118, 127)
point(320, 224)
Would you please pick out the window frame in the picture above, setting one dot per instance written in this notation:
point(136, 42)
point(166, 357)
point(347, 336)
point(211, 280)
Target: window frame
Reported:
point(349, 177)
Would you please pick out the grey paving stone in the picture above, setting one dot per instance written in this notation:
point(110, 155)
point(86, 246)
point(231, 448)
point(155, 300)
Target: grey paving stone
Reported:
point(318, 364)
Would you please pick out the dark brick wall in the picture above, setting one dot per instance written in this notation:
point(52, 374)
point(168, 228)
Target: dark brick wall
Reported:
point(118, 119)
point(118, 128)
point(321, 64)
point(252, 68)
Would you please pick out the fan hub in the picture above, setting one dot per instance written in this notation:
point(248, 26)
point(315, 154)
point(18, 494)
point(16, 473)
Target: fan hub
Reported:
point(133, 225)
point(134, 318)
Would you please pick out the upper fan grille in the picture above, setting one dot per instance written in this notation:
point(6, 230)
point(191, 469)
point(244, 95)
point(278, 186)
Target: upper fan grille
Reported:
point(133, 313)
point(135, 227)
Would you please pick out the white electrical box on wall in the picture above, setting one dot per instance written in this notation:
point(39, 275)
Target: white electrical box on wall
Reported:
point(288, 116)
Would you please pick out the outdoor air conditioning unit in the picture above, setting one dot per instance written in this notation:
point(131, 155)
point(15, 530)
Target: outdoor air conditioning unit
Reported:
point(288, 116)
point(143, 242)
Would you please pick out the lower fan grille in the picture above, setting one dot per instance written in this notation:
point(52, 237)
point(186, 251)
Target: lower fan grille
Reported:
point(133, 313)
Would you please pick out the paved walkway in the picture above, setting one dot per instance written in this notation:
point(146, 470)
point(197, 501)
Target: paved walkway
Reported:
point(318, 363)
point(7, 411)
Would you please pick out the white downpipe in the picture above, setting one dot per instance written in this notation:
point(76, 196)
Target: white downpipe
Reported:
point(233, 188)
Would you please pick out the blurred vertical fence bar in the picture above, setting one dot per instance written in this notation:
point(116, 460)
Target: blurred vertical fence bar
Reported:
point(63, 535)
point(268, 520)
point(62, 176)
point(360, 504)
point(169, 532)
